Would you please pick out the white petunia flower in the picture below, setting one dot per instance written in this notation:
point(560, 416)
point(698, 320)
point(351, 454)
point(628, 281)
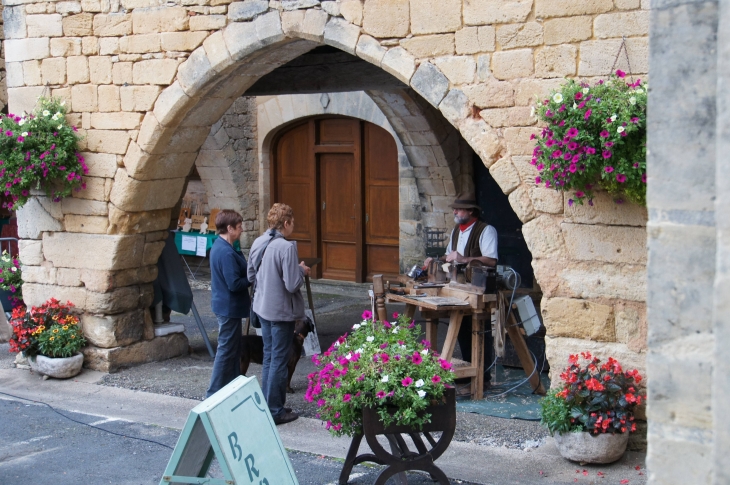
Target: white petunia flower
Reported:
point(25, 133)
point(421, 394)
point(13, 269)
point(356, 326)
point(424, 352)
point(558, 98)
point(46, 112)
point(370, 338)
point(632, 100)
point(21, 122)
point(395, 329)
point(337, 344)
point(403, 346)
point(360, 351)
point(613, 117)
point(575, 106)
point(419, 383)
point(384, 379)
point(349, 356)
point(585, 90)
point(639, 91)
point(620, 129)
point(59, 127)
point(63, 103)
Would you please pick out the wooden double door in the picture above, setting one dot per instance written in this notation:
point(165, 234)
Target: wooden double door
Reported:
point(340, 175)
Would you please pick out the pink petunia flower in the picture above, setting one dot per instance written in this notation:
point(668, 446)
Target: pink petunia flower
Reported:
point(608, 169)
point(367, 315)
point(587, 115)
point(643, 177)
point(590, 150)
point(604, 134)
point(579, 193)
point(407, 381)
point(417, 359)
point(436, 379)
point(380, 395)
point(620, 178)
point(606, 154)
point(557, 154)
point(620, 73)
point(347, 398)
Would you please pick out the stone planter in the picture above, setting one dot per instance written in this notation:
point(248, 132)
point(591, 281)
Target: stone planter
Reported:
point(59, 367)
point(587, 448)
point(401, 458)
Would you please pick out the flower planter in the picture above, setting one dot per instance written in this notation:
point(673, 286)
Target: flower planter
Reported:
point(587, 448)
point(58, 367)
point(401, 458)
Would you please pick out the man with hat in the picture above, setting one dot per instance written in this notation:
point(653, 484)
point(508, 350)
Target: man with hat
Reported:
point(472, 239)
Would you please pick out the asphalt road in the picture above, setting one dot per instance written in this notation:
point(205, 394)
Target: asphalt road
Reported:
point(39, 446)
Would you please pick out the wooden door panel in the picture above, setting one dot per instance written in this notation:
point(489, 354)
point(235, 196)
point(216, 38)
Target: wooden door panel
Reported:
point(383, 260)
point(338, 196)
point(382, 225)
point(338, 131)
point(294, 184)
point(338, 261)
point(381, 202)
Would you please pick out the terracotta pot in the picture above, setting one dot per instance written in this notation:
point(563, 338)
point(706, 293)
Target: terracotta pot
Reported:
point(587, 448)
point(58, 367)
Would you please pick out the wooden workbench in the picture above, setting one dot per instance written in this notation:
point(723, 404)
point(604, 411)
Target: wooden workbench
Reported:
point(480, 307)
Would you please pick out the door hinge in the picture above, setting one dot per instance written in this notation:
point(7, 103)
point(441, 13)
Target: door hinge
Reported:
point(367, 218)
point(324, 204)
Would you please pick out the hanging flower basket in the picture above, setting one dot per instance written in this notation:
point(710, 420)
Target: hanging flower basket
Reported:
point(39, 151)
point(594, 136)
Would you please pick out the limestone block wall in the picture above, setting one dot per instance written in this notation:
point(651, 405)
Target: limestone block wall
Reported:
point(228, 166)
point(146, 82)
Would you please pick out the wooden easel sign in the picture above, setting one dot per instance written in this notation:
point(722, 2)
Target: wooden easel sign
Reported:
point(234, 426)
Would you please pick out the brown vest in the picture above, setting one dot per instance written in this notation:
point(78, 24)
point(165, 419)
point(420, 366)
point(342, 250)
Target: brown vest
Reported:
point(472, 249)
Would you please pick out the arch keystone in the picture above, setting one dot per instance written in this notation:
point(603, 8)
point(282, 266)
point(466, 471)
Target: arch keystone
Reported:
point(195, 73)
point(171, 104)
point(341, 34)
point(430, 82)
point(400, 63)
point(218, 56)
point(268, 28)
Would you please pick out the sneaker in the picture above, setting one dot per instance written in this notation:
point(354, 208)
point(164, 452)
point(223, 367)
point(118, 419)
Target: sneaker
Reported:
point(286, 417)
point(287, 410)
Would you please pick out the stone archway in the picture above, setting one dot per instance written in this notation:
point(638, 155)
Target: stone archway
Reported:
point(141, 161)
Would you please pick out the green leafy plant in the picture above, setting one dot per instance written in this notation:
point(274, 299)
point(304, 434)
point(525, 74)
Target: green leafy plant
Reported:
point(51, 330)
point(381, 365)
point(39, 151)
point(11, 277)
point(594, 136)
point(593, 397)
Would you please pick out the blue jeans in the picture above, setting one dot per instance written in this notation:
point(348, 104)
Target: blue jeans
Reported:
point(227, 364)
point(278, 338)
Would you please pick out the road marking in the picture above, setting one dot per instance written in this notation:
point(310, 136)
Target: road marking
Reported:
point(32, 440)
point(352, 477)
point(102, 421)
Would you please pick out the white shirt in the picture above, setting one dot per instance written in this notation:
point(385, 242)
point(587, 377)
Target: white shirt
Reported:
point(487, 241)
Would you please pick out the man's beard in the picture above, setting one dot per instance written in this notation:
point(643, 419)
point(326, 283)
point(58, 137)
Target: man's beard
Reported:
point(462, 220)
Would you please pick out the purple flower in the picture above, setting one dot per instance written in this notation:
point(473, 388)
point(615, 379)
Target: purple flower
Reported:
point(572, 133)
point(604, 134)
point(557, 154)
point(570, 202)
point(8, 133)
point(620, 73)
point(606, 154)
point(608, 144)
point(406, 382)
point(572, 146)
point(572, 168)
point(380, 395)
point(590, 150)
point(620, 178)
point(580, 194)
point(608, 169)
point(587, 115)
point(538, 180)
point(417, 359)
point(346, 398)
point(567, 155)
point(643, 177)
point(21, 139)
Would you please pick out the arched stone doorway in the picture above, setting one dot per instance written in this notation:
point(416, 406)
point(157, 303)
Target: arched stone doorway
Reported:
point(341, 175)
point(141, 157)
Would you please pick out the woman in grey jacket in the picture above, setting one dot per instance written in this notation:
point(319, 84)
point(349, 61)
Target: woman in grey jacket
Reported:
point(278, 302)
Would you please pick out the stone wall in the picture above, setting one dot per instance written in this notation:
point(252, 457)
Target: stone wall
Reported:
point(228, 166)
point(146, 82)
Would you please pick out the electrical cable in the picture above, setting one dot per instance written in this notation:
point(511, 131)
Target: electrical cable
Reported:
point(522, 381)
point(86, 424)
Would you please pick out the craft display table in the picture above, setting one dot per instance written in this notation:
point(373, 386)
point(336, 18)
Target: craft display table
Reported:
point(445, 301)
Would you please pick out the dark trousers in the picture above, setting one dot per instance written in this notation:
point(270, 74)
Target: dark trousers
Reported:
point(277, 346)
point(227, 364)
point(464, 339)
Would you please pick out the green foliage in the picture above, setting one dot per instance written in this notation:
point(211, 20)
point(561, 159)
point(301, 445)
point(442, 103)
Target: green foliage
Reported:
point(10, 277)
point(50, 329)
point(594, 136)
point(593, 397)
point(381, 365)
point(38, 151)
point(555, 414)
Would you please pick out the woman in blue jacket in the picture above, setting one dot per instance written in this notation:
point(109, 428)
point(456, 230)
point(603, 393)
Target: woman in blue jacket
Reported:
point(229, 298)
